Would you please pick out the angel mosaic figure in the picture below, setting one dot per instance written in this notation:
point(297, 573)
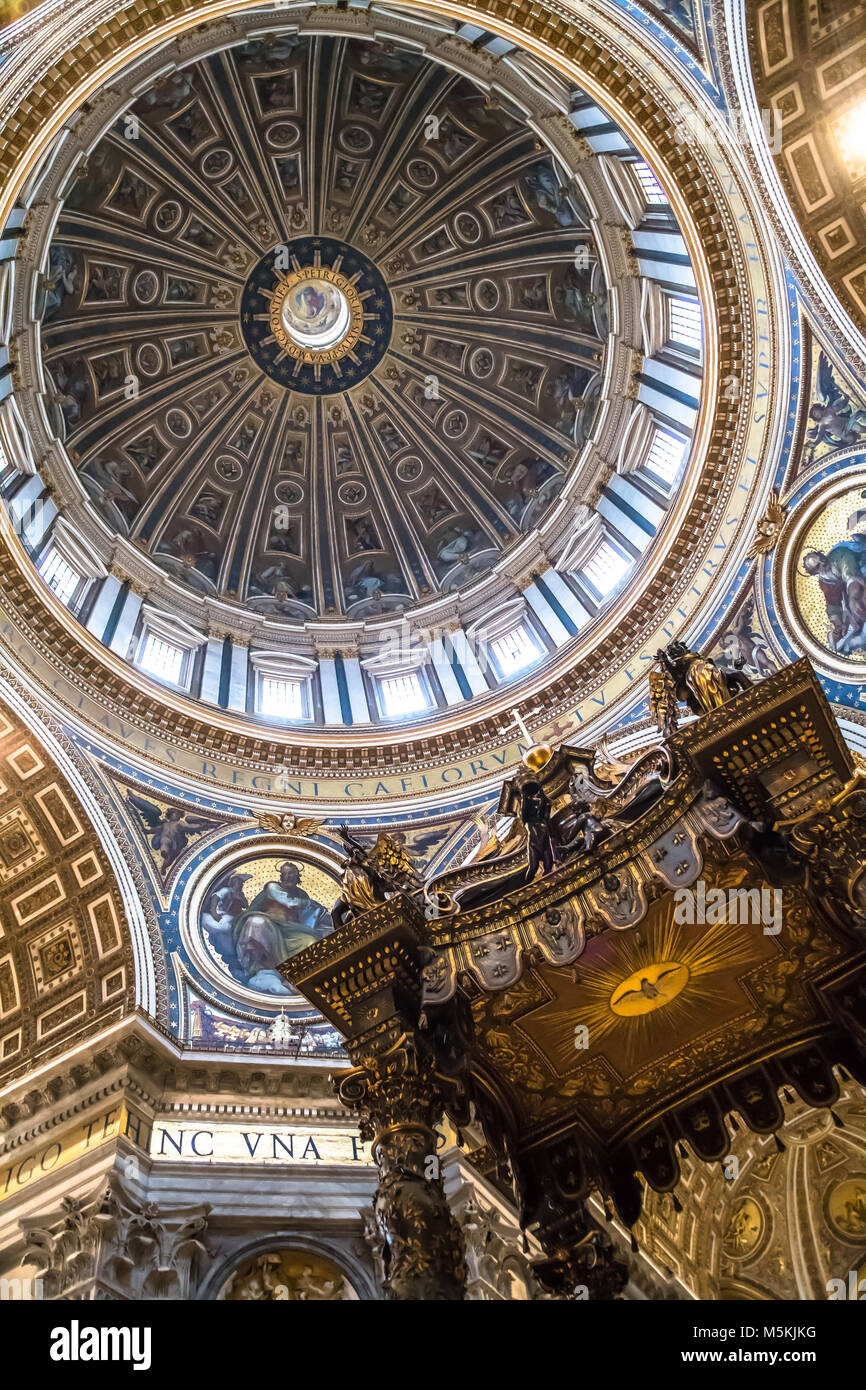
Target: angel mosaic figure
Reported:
point(63, 279)
point(168, 830)
point(488, 452)
point(576, 299)
point(836, 421)
point(546, 192)
point(70, 391)
point(103, 480)
point(744, 647)
point(569, 396)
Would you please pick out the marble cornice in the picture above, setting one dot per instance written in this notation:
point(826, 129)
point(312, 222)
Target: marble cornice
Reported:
point(161, 1074)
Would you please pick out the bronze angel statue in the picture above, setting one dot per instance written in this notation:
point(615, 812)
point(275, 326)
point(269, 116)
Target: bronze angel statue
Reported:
point(697, 680)
point(371, 873)
point(663, 700)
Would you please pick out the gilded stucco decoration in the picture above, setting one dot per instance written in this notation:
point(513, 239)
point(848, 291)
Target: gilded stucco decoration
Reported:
point(285, 1276)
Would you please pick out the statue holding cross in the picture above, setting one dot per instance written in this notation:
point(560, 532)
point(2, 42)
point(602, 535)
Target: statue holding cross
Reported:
point(553, 770)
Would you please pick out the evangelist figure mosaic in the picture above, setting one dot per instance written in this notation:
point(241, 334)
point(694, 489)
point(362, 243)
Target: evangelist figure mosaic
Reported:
point(258, 914)
point(830, 582)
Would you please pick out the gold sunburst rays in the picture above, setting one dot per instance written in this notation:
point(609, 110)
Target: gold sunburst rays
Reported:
point(651, 988)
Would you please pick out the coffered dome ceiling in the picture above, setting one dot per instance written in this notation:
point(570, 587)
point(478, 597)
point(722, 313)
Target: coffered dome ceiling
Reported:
point(325, 324)
point(335, 327)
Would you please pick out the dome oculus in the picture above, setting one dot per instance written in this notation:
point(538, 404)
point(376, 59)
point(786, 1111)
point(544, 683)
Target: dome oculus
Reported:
point(321, 325)
point(312, 314)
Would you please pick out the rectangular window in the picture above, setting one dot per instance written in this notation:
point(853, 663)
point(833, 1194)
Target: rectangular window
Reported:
point(162, 659)
point(653, 190)
point(281, 697)
point(60, 577)
point(685, 323)
point(514, 651)
point(7, 469)
point(400, 695)
point(665, 456)
point(606, 568)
